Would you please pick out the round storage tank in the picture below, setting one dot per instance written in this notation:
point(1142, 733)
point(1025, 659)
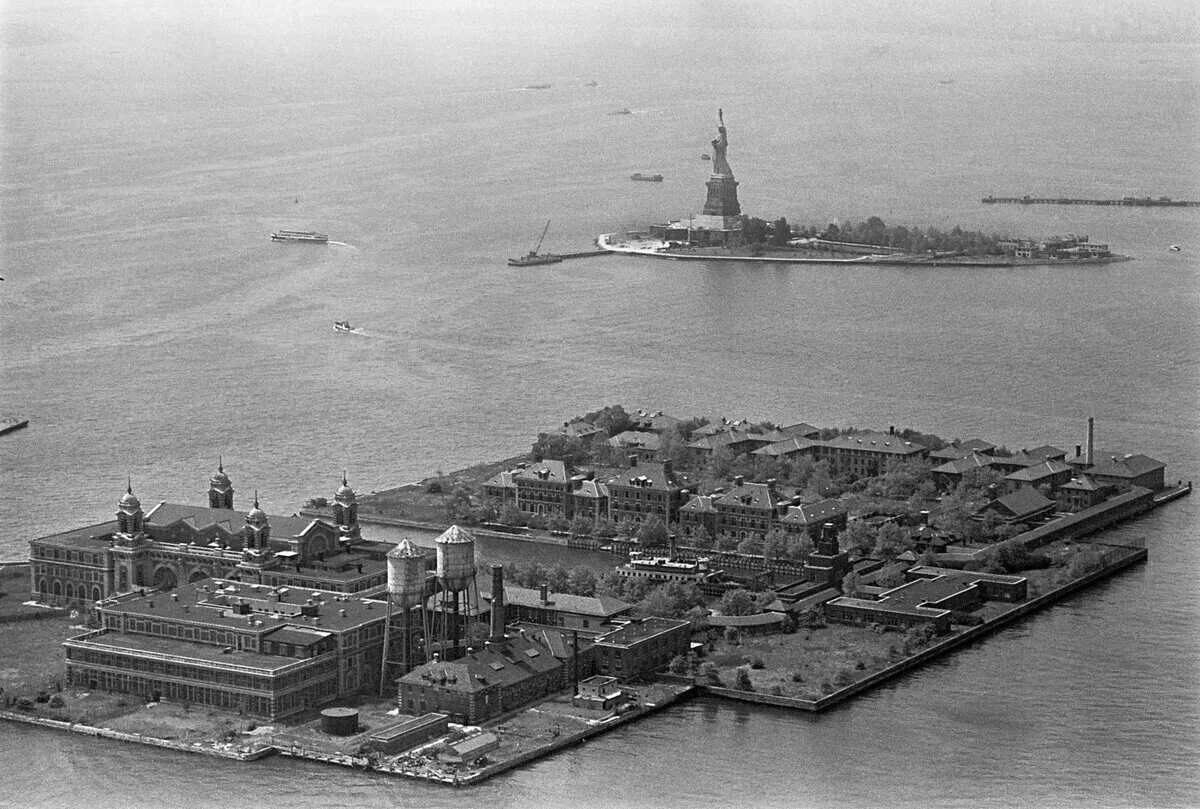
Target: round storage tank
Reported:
point(406, 573)
point(455, 558)
point(339, 721)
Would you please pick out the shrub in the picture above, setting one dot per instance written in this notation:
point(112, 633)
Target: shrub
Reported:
point(843, 678)
point(434, 487)
point(56, 701)
point(777, 690)
point(757, 663)
point(797, 677)
point(742, 683)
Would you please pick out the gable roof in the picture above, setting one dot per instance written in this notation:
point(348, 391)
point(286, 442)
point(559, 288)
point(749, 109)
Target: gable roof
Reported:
point(636, 438)
point(788, 446)
point(547, 470)
point(752, 495)
point(1046, 469)
point(1129, 466)
point(646, 475)
point(226, 519)
point(811, 513)
point(1021, 503)
point(965, 464)
point(601, 607)
point(1047, 451)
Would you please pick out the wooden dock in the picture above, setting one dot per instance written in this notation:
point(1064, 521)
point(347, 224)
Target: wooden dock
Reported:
point(583, 254)
point(1133, 202)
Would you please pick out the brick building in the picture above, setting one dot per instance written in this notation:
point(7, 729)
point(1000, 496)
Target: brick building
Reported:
point(269, 651)
point(641, 648)
point(544, 487)
point(644, 490)
point(173, 544)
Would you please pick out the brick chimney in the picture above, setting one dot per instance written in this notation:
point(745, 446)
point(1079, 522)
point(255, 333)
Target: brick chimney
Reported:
point(666, 465)
point(497, 633)
point(545, 593)
point(632, 461)
point(1091, 446)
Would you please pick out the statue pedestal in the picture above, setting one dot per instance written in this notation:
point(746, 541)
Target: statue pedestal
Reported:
point(722, 196)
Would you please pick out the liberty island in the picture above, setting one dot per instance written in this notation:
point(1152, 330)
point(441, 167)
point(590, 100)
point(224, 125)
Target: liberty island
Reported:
point(723, 233)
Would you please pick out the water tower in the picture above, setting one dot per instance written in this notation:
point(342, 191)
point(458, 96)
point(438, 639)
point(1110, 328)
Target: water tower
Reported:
point(406, 591)
point(457, 595)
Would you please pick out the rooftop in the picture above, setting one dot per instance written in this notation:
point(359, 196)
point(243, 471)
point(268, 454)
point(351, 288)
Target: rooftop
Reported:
point(636, 631)
point(590, 606)
point(225, 603)
point(187, 650)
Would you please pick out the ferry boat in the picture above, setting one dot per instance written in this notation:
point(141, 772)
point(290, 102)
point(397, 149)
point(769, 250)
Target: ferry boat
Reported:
point(533, 258)
point(648, 178)
point(342, 325)
point(665, 568)
point(299, 236)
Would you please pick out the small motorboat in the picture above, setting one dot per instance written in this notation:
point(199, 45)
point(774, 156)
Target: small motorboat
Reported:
point(1175, 248)
point(342, 325)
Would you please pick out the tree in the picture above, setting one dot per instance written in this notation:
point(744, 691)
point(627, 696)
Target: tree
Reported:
point(653, 534)
point(458, 505)
point(751, 546)
point(774, 545)
point(799, 546)
point(612, 419)
point(701, 538)
point(726, 542)
point(738, 602)
point(511, 515)
point(780, 232)
point(890, 541)
point(561, 447)
point(720, 464)
point(582, 581)
point(581, 526)
point(743, 679)
point(558, 522)
point(852, 585)
point(611, 584)
point(859, 536)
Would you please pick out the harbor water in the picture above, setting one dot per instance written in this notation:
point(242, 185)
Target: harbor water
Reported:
point(149, 325)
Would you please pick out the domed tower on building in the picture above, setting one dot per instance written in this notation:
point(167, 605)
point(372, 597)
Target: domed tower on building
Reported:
point(257, 530)
point(130, 548)
point(345, 511)
point(220, 489)
point(130, 519)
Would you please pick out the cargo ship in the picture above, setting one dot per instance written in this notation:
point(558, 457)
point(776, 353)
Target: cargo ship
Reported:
point(648, 178)
point(299, 236)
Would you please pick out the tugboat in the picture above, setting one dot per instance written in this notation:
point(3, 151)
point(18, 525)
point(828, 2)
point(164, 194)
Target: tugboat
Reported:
point(299, 236)
point(532, 258)
point(648, 178)
point(342, 325)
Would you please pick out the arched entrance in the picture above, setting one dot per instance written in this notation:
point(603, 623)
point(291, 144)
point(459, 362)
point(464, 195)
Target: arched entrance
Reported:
point(198, 575)
point(164, 579)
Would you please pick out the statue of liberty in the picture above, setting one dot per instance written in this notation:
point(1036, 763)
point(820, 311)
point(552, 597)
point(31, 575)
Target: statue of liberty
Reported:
point(720, 164)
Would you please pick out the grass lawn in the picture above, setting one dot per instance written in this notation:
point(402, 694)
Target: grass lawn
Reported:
point(33, 656)
point(413, 502)
point(825, 659)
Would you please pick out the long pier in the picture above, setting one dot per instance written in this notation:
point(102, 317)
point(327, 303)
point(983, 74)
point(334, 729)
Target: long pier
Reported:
point(583, 254)
point(1134, 202)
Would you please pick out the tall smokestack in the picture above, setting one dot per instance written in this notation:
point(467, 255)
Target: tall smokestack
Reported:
point(1091, 446)
point(497, 633)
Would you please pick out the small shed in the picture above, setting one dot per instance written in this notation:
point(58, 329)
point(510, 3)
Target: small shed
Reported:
point(470, 749)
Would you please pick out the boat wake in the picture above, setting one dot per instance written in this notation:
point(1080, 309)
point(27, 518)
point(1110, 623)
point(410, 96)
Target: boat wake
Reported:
point(339, 244)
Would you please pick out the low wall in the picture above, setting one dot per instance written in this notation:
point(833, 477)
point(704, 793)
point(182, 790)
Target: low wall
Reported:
point(1090, 520)
point(107, 733)
point(34, 614)
point(1134, 556)
point(493, 770)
